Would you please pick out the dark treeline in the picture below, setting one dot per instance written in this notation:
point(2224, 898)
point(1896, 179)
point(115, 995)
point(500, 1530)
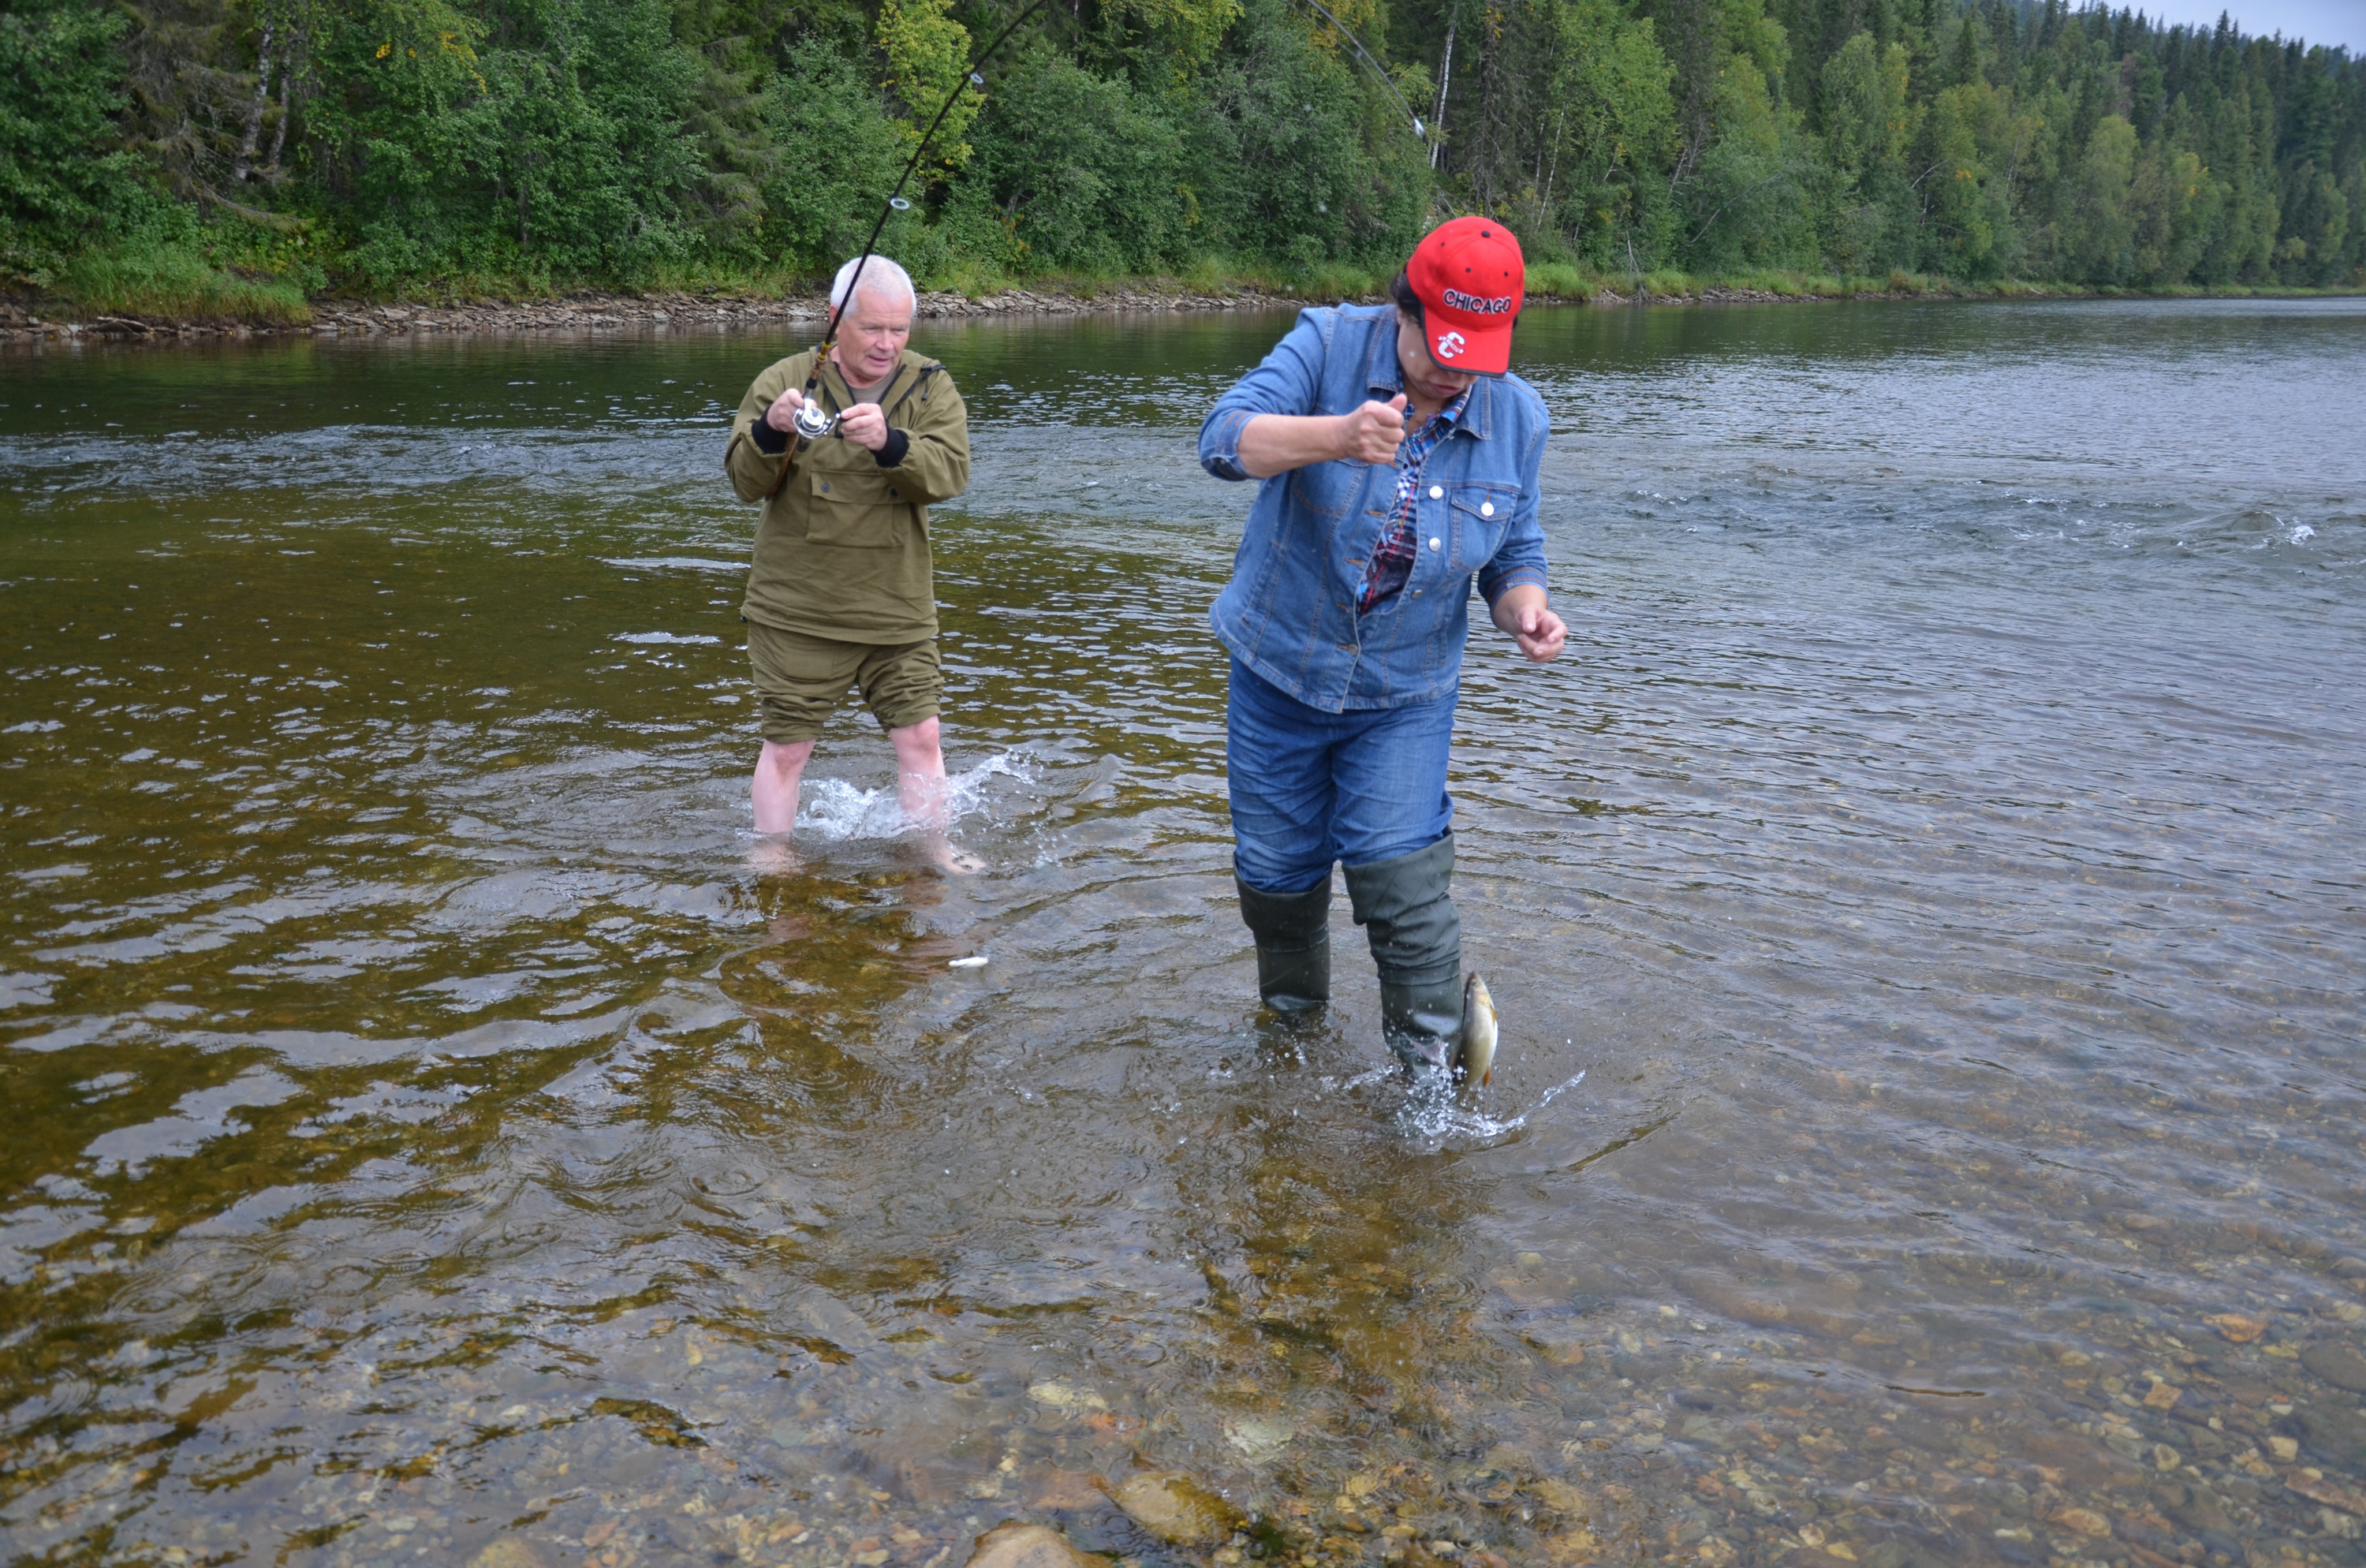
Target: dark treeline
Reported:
point(263, 148)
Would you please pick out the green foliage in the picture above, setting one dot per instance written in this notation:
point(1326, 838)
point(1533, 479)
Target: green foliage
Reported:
point(839, 154)
point(531, 138)
point(63, 178)
point(1083, 172)
point(927, 52)
point(1747, 203)
point(233, 154)
point(1290, 158)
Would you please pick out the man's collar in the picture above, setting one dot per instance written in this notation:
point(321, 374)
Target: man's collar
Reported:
point(877, 394)
point(1384, 378)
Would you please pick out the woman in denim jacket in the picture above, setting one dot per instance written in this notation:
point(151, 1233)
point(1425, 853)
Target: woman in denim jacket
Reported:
point(1399, 460)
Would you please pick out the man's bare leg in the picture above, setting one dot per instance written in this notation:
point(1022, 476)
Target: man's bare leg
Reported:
point(919, 772)
point(779, 770)
point(920, 785)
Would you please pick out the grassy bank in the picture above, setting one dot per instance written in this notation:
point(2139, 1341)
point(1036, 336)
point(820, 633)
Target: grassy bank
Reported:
point(258, 288)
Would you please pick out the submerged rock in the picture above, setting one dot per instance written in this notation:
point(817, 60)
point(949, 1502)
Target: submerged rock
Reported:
point(2237, 1326)
point(2338, 1364)
point(2337, 1436)
point(509, 1552)
point(1178, 1509)
point(1015, 1545)
point(1561, 1343)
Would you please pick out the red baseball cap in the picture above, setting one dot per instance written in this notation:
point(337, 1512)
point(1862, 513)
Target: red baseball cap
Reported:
point(1471, 278)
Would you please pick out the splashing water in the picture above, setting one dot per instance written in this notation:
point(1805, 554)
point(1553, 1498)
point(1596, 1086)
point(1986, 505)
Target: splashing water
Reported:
point(835, 810)
point(1560, 1089)
point(1433, 1113)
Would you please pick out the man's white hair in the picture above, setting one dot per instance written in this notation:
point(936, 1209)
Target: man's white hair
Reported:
point(880, 276)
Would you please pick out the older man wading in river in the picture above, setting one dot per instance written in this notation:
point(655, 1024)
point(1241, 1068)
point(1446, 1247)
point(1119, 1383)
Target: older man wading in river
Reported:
point(841, 593)
point(1399, 458)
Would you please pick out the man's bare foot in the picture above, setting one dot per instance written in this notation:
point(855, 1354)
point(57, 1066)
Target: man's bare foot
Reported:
point(951, 860)
point(774, 854)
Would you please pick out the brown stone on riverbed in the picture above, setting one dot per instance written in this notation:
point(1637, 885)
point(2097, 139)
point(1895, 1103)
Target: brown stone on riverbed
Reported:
point(2237, 1328)
point(2084, 1521)
point(2083, 1460)
point(1728, 1297)
point(2332, 1494)
point(1068, 1489)
point(1561, 1344)
point(509, 1552)
point(2338, 1364)
point(1178, 1509)
point(1014, 1545)
point(1571, 1548)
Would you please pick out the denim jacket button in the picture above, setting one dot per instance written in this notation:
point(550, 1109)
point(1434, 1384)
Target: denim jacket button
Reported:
point(1437, 493)
point(1486, 509)
point(1433, 543)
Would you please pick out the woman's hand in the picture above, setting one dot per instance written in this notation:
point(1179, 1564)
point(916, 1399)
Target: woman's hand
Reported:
point(1523, 615)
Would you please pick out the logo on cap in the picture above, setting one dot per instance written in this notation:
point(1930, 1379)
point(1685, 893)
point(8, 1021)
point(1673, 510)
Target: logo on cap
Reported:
point(1449, 345)
point(1476, 306)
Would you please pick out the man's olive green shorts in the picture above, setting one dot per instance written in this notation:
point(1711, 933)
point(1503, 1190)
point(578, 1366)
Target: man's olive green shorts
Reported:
point(801, 680)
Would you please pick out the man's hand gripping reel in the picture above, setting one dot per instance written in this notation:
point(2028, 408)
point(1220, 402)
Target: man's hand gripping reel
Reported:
point(812, 422)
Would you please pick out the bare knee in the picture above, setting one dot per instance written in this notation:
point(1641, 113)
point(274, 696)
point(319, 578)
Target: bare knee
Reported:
point(918, 747)
point(784, 760)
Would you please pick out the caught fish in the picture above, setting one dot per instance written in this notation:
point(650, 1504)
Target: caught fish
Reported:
point(1474, 1051)
point(974, 961)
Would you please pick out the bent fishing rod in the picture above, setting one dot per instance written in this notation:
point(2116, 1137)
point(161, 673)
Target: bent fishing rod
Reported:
point(811, 422)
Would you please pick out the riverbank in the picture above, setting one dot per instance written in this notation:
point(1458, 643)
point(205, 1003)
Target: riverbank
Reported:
point(24, 322)
point(34, 321)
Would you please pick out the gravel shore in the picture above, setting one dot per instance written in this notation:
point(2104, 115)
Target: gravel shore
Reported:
point(30, 321)
point(22, 321)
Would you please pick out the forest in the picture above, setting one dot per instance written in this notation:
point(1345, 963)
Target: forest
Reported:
point(240, 157)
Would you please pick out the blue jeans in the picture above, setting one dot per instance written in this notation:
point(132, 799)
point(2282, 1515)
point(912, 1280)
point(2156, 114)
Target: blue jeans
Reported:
point(1310, 787)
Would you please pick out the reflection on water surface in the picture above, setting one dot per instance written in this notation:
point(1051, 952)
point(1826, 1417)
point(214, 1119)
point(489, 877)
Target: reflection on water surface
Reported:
point(1937, 852)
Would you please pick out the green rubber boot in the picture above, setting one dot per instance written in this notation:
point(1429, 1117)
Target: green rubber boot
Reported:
point(1293, 946)
point(1422, 1024)
point(1416, 936)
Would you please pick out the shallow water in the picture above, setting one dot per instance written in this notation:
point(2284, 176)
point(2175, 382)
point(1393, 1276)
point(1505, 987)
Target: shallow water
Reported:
point(1937, 852)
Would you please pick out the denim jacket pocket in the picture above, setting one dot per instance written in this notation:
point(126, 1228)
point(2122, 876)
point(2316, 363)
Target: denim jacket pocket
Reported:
point(1481, 513)
point(852, 509)
point(1327, 489)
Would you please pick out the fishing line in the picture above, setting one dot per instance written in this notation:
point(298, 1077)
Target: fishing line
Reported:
point(1420, 131)
point(811, 422)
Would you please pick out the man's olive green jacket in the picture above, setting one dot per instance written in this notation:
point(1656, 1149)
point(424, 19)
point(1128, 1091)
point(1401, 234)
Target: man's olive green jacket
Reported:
point(842, 551)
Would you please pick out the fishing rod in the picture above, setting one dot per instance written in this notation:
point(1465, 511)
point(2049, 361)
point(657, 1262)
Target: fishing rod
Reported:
point(811, 422)
point(1420, 131)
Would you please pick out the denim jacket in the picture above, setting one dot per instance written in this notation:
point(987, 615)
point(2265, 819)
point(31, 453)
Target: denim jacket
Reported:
point(1290, 611)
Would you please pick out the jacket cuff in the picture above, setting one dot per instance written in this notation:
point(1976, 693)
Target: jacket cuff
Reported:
point(769, 442)
point(1513, 579)
point(892, 455)
point(1220, 444)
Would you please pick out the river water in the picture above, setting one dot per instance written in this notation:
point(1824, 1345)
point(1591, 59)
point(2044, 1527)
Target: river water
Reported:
point(1924, 905)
